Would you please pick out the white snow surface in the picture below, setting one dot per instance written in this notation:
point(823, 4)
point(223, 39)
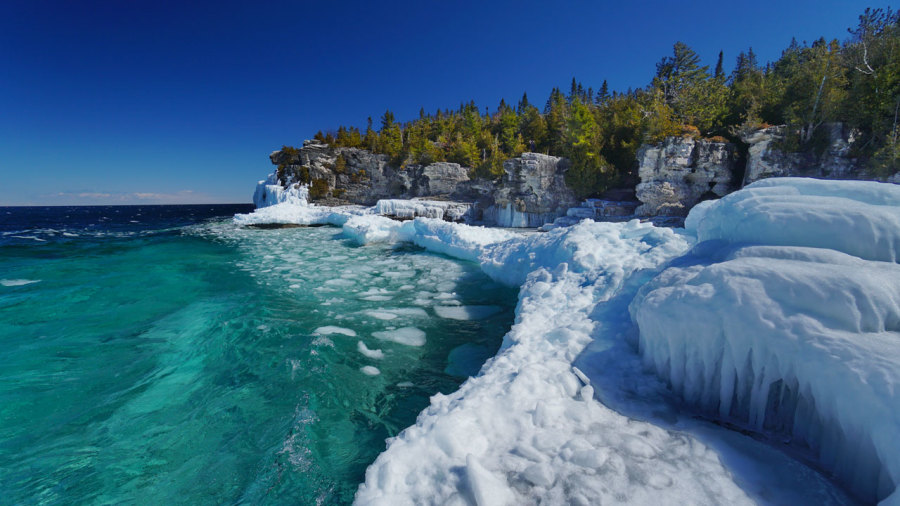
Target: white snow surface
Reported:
point(860, 218)
point(270, 192)
point(529, 429)
point(787, 321)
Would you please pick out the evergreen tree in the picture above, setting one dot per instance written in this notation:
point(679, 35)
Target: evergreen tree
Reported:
point(603, 94)
point(585, 176)
point(683, 83)
point(390, 139)
point(370, 140)
point(720, 72)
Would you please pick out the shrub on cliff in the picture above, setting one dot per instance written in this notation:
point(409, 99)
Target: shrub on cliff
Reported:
point(318, 189)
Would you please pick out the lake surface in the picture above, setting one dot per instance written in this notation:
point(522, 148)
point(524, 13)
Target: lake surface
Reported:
point(161, 354)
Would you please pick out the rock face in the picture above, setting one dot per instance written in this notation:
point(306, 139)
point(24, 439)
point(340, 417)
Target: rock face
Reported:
point(765, 157)
point(532, 192)
point(681, 171)
point(361, 177)
point(440, 178)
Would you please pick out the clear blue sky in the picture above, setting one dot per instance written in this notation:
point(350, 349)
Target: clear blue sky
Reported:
point(179, 102)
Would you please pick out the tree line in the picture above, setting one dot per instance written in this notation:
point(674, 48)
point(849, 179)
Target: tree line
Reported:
point(855, 81)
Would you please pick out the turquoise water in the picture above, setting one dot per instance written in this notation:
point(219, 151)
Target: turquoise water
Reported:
point(167, 362)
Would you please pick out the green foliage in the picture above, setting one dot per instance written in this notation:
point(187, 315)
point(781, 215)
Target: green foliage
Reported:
point(318, 189)
point(856, 82)
point(340, 165)
point(586, 175)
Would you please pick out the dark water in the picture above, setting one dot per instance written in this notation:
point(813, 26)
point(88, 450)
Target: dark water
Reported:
point(159, 354)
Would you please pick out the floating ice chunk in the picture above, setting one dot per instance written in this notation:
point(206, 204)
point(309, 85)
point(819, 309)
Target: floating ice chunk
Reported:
point(377, 298)
point(415, 312)
point(466, 312)
point(382, 315)
point(391, 314)
point(18, 282)
point(329, 329)
point(369, 370)
point(409, 336)
point(374, 354)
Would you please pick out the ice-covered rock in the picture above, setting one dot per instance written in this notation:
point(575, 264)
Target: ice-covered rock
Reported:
point(786, 320)
point(270, 192)
point(532, 192)
point(416, 208)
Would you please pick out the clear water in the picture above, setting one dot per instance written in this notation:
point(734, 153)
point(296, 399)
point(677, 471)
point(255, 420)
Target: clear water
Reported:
point(162, 355)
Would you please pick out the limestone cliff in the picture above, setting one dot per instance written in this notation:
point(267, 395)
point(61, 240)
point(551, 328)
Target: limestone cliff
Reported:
point(766, 156)
point(681, 171)
point(531, 192)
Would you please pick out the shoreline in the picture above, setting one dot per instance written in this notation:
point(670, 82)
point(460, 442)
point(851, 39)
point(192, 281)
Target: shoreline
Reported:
point(567, 272)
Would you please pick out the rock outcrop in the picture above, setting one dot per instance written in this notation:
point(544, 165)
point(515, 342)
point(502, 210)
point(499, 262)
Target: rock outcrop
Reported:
point(767, 158)
point(679, 172)
point(532, 192)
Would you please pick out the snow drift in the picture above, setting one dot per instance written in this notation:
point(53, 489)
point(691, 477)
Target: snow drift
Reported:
point(785, 319)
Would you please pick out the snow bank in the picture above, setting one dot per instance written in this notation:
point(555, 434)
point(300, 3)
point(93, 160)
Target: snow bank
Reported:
point(528, 429)
point(861, 218)
point(797, 334)
point(371, 228)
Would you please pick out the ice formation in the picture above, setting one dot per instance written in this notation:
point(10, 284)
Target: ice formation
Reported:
point(786, 320)
point(743, 326)
point(270, 192)
point(415, 208)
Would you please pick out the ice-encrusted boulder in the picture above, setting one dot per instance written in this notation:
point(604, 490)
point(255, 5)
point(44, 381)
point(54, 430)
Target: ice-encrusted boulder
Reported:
point(681, 171)
point(785, 320)
point(417, 208)
point(766, 158)
point(270, 192)
point(532, 192)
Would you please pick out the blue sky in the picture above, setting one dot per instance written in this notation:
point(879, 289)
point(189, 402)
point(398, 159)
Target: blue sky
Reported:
point(131, 102)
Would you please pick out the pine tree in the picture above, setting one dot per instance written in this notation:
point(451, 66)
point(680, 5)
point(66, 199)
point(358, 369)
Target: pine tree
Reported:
point(720, 72)
point(370, 140)
point(585, 176)
point(603, 94)
point(390, 137)
point(523, 104)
